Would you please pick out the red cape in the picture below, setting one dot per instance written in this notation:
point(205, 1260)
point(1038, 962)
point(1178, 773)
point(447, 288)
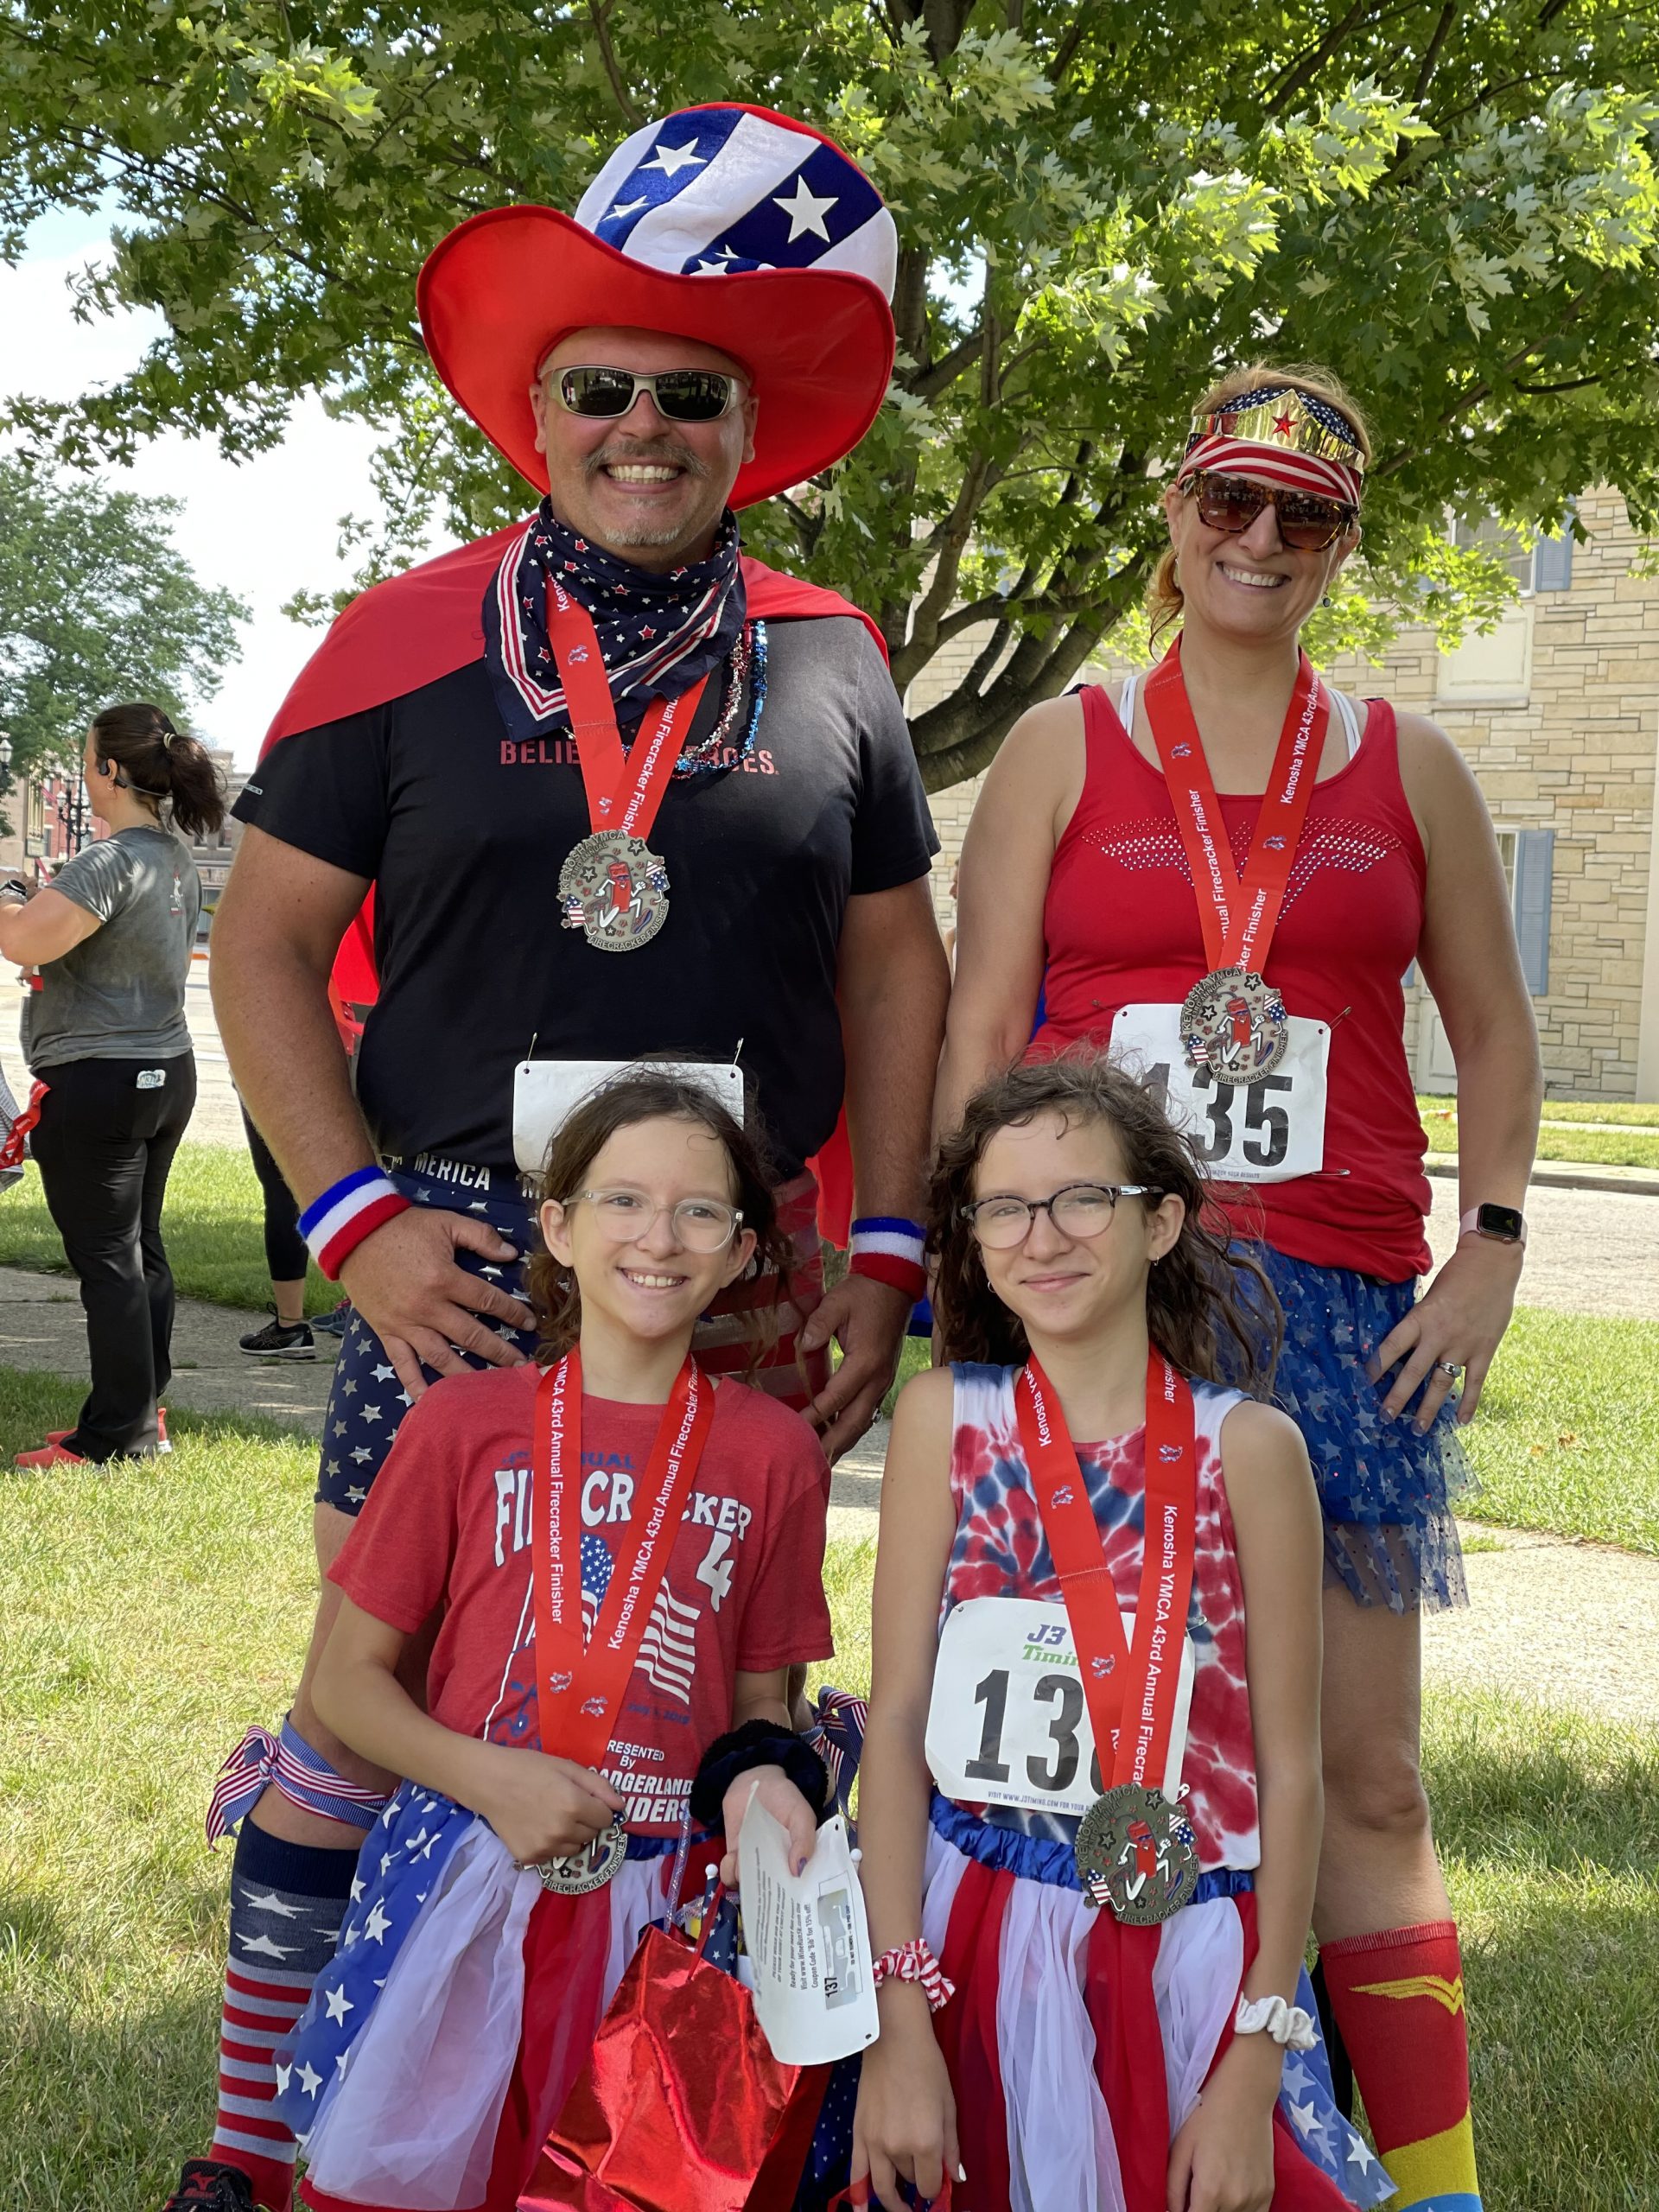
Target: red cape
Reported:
point(425, 624)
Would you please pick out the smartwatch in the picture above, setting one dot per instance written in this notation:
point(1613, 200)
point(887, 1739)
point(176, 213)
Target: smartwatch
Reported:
point(1502, 1224)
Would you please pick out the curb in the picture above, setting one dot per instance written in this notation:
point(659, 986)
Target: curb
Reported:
point(1565, 1175)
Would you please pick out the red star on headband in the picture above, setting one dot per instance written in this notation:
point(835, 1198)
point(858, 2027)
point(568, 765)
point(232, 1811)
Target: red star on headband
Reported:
point(1283, 424)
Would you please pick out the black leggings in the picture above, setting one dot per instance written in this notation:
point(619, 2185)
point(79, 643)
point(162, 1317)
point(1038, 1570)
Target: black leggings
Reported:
point(104, 1144)
point(285, 1252)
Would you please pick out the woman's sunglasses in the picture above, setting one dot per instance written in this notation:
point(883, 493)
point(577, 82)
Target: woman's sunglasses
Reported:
point(679, 395)
point(1306, 521)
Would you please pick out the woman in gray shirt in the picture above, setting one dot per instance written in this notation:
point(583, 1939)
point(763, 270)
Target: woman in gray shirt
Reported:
point(105, 1033)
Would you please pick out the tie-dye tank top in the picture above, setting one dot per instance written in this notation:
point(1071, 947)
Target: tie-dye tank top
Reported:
point(1000, 1551)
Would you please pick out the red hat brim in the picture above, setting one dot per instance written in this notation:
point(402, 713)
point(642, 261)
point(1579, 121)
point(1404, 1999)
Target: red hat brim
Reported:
point(505, 287)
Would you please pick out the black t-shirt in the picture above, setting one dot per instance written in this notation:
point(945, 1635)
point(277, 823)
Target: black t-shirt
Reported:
point(464, 830)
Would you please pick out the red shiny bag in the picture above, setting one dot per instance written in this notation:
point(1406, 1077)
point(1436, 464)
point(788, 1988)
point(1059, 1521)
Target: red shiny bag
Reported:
point(682, 2107)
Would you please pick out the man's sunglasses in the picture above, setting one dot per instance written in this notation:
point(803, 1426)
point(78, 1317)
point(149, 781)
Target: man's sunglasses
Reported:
point(679, 395)
point(1306, 521)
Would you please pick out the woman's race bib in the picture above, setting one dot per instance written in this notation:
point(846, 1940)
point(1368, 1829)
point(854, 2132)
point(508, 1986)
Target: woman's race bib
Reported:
point(1009, 1723)
point(1267, 1132)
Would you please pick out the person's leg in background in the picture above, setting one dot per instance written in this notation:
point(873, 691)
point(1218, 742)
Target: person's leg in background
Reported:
point(91, 1168)
point(174, 1104)
point(287, 1336)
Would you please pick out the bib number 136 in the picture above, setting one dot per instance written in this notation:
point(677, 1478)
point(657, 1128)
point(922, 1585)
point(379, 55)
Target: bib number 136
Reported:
point(1267, 1132)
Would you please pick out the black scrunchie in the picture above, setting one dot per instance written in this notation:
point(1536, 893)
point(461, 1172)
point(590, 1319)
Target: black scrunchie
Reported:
point(757, 1743)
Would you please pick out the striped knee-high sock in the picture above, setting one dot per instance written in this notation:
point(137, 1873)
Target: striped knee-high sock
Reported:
point(1398, 1998)
point(286, 1901)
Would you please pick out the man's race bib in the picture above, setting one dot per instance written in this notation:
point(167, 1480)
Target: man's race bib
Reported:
point(545, 1094)
point(1268, 1132)
point(1008, 1723)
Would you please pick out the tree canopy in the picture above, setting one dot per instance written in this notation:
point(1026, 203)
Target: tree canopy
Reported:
point(1100, 204)
point(96, 606)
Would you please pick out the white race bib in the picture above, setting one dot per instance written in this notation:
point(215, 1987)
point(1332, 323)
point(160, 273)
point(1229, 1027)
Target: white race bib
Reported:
point(545, 1093)
point(1009, 1723)
point(1268, 1132)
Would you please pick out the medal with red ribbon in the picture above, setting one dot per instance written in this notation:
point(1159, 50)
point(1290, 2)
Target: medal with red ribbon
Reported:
point(1134, 1848)
point(612, 885)
point(1233, 1022)
point(580, 1685)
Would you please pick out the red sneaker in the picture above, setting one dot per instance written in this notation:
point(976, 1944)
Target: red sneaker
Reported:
point(57, 1435)
point(49, 1455)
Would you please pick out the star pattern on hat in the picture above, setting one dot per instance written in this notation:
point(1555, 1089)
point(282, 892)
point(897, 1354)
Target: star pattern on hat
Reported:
point(806, 211)
point(671, 160)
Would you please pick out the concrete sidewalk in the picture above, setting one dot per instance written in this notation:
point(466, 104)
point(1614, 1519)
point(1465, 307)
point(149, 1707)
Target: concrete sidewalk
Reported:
point(42, 1328)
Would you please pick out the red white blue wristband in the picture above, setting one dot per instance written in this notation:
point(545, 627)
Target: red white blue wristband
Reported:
point(337, 1221)
point(891, 1251)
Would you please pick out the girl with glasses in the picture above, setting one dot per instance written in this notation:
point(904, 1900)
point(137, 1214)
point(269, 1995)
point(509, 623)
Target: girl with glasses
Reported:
point(1090, 1803)
point(1221, 871)
point(625, 1557)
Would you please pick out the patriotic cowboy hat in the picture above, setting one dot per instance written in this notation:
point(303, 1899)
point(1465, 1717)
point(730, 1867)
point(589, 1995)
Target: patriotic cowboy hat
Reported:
point(733, 226)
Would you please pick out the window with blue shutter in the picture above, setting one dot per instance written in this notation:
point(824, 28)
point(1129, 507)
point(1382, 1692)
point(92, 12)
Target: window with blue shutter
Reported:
point(1534, 860)
point(1552, 564)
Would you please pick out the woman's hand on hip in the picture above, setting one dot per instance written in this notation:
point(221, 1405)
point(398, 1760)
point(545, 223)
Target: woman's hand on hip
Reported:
point(1455, 1327)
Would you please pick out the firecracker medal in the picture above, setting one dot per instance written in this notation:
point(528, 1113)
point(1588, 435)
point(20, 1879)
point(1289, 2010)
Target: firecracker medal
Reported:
point(614, 889)
point(1234, 1024)
point(590, 1868)
point(1136, 1852)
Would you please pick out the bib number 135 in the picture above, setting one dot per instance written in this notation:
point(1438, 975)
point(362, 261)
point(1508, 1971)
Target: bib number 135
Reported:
point(1267, 1132)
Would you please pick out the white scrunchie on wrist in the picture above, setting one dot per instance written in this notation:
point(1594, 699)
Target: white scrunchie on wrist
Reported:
point(1285, 2025)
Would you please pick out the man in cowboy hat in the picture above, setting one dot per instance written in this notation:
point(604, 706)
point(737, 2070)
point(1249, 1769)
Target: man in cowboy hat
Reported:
point(594, 787)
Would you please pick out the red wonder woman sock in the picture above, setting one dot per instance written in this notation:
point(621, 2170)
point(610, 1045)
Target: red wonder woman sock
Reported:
point(1398, 1998)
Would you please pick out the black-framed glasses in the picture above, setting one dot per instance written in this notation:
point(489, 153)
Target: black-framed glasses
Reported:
point(678, 394)
point(1080, 1211)
point(1306, 521)
point(700, 1224)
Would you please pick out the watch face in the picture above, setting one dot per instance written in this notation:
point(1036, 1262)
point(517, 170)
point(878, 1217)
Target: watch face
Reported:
point(1502, 1221)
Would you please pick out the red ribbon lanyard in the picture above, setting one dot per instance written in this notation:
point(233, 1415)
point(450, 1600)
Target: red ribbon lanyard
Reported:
point(580, 1687)
point(1121, 1682)
point(625, 791)
point(1238, 914)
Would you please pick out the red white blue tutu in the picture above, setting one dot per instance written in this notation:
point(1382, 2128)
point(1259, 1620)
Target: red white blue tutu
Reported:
point(1073, 2068)
point(439, 2047)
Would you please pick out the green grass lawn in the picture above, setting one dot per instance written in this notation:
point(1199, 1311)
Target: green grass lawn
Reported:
point(151, 1613)
point(1633, 1143)
point(212, 1226)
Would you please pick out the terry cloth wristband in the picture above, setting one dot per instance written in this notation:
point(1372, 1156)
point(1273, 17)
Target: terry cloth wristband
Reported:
point(336, 1222)
point(757, 1743)
point(891, 1251)
point(913, 1961)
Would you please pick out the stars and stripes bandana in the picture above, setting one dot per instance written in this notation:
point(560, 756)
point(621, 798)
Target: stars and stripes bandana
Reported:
point(659, 633)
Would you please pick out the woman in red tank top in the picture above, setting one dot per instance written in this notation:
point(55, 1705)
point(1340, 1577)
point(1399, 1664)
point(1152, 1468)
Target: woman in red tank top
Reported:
point(1226, 880)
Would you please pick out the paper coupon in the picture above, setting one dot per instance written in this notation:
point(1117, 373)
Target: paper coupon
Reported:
point(808, 1943)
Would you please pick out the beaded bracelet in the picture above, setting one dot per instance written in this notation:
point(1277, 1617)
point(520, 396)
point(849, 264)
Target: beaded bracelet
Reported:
point(337, 1220)
point(913, 1961)
point(890, 1250)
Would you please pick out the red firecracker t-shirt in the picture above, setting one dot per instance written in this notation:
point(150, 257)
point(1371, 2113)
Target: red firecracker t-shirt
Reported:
point(448, 1521)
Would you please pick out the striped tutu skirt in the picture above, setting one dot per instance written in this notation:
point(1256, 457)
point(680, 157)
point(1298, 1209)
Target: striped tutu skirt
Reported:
point(1077, 2047)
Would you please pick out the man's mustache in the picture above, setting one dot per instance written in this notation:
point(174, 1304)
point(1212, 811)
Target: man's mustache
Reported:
point(664, 454)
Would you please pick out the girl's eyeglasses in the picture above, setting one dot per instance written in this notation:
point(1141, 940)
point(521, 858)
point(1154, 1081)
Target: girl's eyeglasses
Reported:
point(700, 1224)
point(1080, 1211)
point(1306, 521)
point(679, 395)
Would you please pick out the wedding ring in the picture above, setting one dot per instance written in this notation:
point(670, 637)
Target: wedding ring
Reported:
point(1449, 1367)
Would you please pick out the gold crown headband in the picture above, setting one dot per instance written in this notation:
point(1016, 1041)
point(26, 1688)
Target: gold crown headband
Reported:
point(1295, 422)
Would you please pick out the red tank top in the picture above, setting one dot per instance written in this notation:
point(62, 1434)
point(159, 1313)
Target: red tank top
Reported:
point(1121, 926)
